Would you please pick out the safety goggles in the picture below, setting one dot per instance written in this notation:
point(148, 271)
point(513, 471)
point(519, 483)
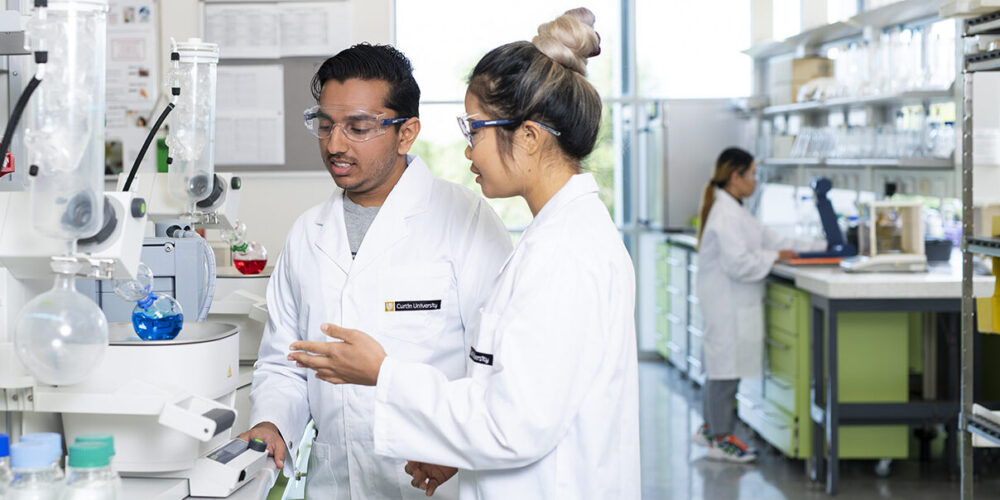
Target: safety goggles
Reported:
point(358, 125)
point(468, 124)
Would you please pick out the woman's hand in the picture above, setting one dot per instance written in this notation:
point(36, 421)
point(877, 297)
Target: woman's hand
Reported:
point(786, 255)
point(356, 360)
point(428, 476)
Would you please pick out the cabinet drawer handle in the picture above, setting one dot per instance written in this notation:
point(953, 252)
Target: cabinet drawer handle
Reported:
point(773, 421)
point(776, 304)
point(694, 361)
point(777, 345)
point(696, 332)
point(778, 382)
point(749, 403)
point(673, 290)
point(694, 300)
point(674, 320)
point(673, 346)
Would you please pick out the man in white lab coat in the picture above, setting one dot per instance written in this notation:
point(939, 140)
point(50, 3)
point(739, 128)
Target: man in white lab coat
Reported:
point(395, 252)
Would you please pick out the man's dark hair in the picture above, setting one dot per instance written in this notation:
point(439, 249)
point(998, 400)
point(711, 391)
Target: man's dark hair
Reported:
point(374, 62)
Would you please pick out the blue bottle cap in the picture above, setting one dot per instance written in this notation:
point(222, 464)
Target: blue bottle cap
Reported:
point(52, 440)
point(4, 445)
point(30, 455)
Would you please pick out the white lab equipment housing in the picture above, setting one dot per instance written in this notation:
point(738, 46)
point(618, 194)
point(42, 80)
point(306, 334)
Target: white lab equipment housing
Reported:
point(220, 213)
point(152, 395)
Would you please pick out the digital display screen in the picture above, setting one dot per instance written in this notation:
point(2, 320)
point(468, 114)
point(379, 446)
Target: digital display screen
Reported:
point(228, 452)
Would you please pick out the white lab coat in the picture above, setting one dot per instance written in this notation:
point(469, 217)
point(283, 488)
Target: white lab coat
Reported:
point(431, 240)
point(735, 255)
point(549, 409)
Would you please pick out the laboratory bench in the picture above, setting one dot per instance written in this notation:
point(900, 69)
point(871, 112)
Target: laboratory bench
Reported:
point(860, 340)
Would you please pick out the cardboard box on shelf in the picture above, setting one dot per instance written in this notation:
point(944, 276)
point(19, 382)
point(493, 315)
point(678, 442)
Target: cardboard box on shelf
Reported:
point(786, 75)
point(799, 69)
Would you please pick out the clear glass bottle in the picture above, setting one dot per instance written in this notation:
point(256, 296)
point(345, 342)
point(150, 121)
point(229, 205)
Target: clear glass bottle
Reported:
point(53, 441)
point(89, 475)
point(34, 477)
point(108, 441)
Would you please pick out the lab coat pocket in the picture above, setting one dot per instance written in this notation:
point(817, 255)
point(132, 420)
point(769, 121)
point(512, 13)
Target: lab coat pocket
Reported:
point(414, 302)
point(749, 348)
point(320, 479)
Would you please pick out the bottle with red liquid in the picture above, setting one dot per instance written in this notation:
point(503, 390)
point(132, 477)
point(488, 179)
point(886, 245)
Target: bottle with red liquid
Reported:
point(248, 257)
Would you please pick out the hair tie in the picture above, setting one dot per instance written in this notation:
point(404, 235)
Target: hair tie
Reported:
point(598, 51)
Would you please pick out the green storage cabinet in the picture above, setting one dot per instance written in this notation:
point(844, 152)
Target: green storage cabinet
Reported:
point(874, 363)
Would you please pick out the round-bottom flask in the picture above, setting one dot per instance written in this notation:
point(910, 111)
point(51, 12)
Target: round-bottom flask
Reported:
point(61, 335)
point(157, 317)
point(250, 260)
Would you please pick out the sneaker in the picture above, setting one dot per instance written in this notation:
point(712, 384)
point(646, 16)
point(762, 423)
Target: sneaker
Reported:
point(731, 449)
point(701, 436)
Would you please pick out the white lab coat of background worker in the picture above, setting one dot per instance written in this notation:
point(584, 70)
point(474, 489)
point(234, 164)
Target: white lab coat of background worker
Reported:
point(431, 241)
point(736, 252)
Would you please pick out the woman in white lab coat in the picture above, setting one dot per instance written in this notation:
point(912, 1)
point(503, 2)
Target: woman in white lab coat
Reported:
point(549, 406)
point(735, 254)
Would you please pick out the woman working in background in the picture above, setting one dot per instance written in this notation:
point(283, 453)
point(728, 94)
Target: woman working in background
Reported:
point(549, 405)
point(735, 254)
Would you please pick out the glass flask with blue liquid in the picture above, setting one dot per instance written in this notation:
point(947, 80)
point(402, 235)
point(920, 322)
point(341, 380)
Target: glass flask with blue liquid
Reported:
point(155, 317)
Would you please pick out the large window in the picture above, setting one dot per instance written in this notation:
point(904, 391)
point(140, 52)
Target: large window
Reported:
point(681, 58)
point(444, 39)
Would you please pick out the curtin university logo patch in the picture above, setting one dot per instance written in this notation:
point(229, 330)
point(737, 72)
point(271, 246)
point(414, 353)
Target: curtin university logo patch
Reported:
point(480, 357)
point(412, 305)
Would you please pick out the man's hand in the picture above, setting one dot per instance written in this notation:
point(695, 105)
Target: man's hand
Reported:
point(428, 476)
point(356, 360)
point(786, 255)
point(268, 432)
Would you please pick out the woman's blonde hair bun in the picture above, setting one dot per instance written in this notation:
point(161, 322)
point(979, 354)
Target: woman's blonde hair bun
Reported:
point(570, 39)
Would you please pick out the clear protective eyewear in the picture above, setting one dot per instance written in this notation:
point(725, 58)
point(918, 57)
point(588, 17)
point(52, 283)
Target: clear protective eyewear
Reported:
point(468, 125)
point(358, 125)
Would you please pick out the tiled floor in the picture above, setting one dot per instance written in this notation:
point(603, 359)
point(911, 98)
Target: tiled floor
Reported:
point(674, 468)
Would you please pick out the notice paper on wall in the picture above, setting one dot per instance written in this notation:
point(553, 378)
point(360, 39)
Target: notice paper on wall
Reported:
point(132, 81)
point(273, 30)
point(250, 115)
